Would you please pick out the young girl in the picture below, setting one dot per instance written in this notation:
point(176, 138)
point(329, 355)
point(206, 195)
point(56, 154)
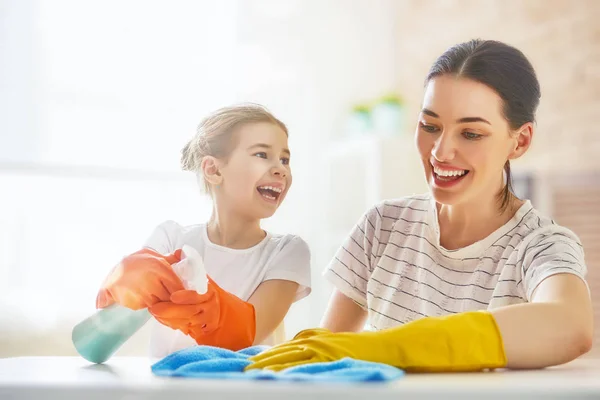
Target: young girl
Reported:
point(466, 277)
point(242, 158)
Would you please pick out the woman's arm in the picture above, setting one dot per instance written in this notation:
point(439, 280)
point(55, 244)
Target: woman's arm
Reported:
point(554, 328)
point(343, 314)
point(271, 300)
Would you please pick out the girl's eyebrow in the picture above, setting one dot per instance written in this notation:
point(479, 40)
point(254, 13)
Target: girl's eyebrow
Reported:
point(267, 147)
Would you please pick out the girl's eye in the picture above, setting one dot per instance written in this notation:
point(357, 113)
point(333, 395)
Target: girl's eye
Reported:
point(428, 128)
point(261, 154)
point(285, 161)
point(471, 135)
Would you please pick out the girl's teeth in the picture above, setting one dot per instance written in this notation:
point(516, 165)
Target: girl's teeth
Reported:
point(278, 190)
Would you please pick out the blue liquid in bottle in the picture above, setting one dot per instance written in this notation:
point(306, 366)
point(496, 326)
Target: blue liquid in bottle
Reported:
point(99, 336)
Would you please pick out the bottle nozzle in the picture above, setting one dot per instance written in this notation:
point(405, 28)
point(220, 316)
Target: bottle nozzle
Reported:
point(191, 270)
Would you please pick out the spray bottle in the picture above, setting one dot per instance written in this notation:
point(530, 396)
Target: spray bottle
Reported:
point(99, 336)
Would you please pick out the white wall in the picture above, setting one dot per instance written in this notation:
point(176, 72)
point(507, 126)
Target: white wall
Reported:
point(309, 61)
point(99, 99)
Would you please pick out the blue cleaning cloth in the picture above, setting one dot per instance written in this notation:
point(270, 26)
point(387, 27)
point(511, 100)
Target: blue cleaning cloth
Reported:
point(215, 363)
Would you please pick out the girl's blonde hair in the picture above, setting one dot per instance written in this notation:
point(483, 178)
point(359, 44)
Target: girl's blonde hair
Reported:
point(214, 135)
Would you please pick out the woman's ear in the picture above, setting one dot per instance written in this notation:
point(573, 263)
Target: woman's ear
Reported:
point(210, 170)
point(522, 137)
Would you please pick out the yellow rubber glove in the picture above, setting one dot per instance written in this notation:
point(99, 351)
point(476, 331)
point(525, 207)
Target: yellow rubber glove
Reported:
point(468, 341)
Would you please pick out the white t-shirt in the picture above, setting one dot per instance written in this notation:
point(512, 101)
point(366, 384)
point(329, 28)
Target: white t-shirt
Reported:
point(239, 272)
point(393, 265)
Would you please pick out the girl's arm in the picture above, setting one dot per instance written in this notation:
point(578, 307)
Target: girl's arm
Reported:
point(271, 300)
point(554, 328)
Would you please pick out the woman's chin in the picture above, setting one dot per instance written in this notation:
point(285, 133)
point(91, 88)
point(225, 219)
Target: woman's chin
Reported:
point(445, 196)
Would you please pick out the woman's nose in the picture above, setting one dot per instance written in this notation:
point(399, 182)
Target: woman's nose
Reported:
point(444, 148)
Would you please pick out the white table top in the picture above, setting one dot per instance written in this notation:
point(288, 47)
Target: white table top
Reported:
point(130, 378)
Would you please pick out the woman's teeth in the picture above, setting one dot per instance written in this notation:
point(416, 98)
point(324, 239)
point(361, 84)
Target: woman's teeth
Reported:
point(449, 173)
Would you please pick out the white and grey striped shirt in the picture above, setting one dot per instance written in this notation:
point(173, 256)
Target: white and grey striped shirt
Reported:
point(393, 265)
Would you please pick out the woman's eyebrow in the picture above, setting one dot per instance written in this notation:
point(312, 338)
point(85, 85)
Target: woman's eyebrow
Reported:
point(460, 120)
point(472, 119)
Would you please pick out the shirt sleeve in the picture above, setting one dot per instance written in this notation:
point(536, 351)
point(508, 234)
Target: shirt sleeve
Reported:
point(164, 238)
point(350, 269)
point(557, 251)
point(292, 263)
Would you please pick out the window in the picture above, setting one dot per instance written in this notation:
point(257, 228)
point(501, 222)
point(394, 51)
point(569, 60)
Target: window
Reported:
point(94, 110)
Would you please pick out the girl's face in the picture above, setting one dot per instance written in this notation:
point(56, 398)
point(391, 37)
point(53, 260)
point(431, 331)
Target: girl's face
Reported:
point(257, 175)
point(464, 140)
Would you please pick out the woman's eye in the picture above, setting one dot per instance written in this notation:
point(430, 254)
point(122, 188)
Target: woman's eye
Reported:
point(428, 128)
point(261, 154)
point(471, 135)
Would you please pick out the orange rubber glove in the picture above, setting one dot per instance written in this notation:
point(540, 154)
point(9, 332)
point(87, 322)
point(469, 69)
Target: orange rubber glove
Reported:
point(140, 280)
point(216, 318)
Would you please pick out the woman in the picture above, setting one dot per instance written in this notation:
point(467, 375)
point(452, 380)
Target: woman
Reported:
point(467, 277)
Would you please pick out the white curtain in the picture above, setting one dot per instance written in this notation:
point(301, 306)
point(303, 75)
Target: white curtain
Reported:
point(98, 98)
point(96, 101)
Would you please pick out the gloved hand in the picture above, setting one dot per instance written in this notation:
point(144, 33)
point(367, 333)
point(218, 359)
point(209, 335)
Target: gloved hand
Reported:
point(140, 280)
point(216, 318)
point(467, 341)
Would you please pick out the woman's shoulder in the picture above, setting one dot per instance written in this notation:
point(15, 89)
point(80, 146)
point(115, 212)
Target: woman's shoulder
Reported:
point(413, 207)
point(534, 227)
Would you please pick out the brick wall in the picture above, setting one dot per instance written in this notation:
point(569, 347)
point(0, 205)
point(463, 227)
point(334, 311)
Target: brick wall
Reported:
point(560, 37)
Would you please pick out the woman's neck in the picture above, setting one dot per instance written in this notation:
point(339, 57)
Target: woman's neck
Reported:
point(464, 224)
point(231, 230)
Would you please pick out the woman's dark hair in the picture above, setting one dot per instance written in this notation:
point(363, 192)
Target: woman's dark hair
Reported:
point(502, 68)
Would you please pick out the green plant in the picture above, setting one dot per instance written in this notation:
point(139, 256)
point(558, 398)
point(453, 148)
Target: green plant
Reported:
point(391, 99)
point(361, 108)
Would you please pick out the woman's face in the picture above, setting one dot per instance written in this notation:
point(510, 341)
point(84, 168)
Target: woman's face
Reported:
point(464, 140)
